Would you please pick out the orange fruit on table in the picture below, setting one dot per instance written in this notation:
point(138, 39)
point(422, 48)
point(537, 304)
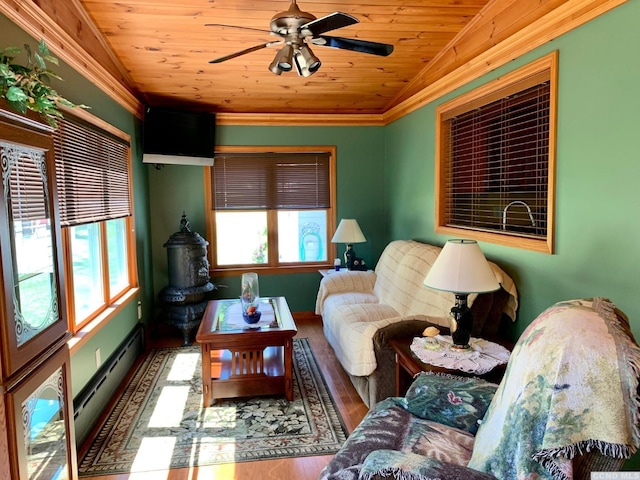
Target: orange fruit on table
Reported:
point(251, 310)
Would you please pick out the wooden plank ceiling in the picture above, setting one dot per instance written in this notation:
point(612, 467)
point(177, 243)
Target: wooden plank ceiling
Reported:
point(165, 48)
point(157, 52)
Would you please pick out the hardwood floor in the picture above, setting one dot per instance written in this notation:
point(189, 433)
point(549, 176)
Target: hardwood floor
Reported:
point(304, 468)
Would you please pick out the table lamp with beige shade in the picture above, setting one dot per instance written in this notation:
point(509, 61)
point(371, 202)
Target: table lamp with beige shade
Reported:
point(348, 232)
point(461, 268)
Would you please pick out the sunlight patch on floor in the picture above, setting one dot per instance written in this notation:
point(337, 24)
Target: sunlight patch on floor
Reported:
point(184, 367)
point(149, 476)
point(214, 472)
point(222, 447)
point(170, 407)
point(154, 454)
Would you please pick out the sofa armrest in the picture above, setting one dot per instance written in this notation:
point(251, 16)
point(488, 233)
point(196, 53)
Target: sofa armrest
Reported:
point(594, 461)
point(403, 329)
point(349, 281)
point(344, 282)
point(391, 464)
point(382, 380)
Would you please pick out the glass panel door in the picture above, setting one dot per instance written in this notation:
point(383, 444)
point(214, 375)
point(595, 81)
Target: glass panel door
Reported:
point(45, 439)
point(32, 288)
point(26, 196)
point(42, 422)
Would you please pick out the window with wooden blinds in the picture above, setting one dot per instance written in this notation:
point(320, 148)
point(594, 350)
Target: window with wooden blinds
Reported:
point(92, 172)
point(271, 181)
point(496, 160)
point(271, 208)
point(93, 185)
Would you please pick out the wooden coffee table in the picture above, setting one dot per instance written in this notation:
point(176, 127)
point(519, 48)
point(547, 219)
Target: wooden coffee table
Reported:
point(240, 360)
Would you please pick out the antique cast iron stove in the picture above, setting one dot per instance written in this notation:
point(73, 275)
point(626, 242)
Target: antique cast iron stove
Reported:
point(183, 301)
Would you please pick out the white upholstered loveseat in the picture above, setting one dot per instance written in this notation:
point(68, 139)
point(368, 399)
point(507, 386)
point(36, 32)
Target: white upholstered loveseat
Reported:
point(361, 311)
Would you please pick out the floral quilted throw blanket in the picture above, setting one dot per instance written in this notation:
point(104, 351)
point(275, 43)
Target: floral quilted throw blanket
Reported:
point(570, 387)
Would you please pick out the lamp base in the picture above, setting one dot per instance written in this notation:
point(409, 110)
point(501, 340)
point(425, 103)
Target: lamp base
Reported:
point(349, 256)
point(461, 323)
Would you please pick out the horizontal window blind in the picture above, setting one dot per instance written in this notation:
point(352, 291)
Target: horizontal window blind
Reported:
point(25, 177)
point(271, 181)
point(92, 172)
point(497, 164)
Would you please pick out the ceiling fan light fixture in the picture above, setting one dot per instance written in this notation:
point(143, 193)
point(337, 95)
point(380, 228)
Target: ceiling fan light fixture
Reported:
point(302, 71)
point(312, 62)
point(284, 58)
point(306, 62)
point(274, 68)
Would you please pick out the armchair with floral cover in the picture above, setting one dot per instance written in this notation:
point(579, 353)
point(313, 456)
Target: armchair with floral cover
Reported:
point(567, 405)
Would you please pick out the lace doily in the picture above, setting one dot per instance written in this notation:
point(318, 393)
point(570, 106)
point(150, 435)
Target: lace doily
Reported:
point(481, 358)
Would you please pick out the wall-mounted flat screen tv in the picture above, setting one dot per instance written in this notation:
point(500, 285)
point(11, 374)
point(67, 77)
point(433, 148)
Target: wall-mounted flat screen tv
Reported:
point(178, 136)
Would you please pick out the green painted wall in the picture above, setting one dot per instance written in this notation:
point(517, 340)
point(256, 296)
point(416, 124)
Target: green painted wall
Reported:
point(597, 175)
point(77, 89)
point(598, 171)
point(360, 194)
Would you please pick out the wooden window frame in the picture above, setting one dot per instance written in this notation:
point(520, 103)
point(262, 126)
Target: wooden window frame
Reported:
point(547, 65)
point(271, 267)
point(113, 302)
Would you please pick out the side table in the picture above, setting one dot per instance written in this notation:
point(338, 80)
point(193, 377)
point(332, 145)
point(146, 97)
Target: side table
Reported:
point(329, 271)
point(409, 365)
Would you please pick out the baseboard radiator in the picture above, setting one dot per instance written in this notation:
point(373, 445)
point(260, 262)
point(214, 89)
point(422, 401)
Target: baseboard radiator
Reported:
point(90, 403)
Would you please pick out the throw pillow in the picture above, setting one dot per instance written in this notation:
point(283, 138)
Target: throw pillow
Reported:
point(458, 402)
point(393, 464)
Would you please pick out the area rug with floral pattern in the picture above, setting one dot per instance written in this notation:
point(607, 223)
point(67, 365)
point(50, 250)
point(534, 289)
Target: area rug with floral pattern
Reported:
point(159, 422)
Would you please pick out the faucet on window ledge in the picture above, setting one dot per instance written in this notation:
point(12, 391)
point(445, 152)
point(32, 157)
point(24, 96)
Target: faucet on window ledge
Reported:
point(504, 213)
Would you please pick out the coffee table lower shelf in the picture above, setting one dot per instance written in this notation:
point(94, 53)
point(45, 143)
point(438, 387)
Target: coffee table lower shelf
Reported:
point(241, 373)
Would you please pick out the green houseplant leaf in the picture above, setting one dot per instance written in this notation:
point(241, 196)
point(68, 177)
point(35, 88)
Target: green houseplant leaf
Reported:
point(5, 71)
point(27, 86)
point(15, 94)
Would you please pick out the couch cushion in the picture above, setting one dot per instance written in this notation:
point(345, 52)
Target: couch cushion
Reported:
point(459, 402)
point(436, 440)
point(400, 274)
point(389, 426)
point(350, 328)
point(353, 298)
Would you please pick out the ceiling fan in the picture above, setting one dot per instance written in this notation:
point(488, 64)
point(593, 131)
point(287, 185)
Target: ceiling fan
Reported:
point(298, 30)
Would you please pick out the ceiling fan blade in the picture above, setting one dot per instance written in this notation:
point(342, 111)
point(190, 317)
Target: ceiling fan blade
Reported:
point(329, 22)
point(236, 26)
point(362, 46)
point(243, 52)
